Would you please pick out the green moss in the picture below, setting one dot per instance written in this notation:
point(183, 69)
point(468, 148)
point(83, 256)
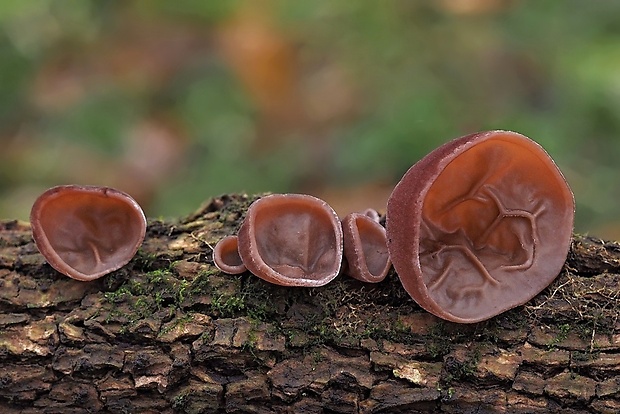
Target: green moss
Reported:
point(114, 314)
point(202, 283)
point(180, 401)
point(459, 370)
point(144, 306)
point(251, 341)
point(158, 277)
point(141, 296)
point(178, 323)
point(438, 342)
point(564, 329)
point(227, 306)
point(182, 290)
point(234, 297)
point(584, 356)
point(144, 260)
point(317, 356)
point(118, 295)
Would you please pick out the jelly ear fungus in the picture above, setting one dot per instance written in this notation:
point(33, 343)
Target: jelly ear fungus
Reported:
point(291, 240)
point(365, 247)
point(226, 256)
point(480, 225)
point(86, 232)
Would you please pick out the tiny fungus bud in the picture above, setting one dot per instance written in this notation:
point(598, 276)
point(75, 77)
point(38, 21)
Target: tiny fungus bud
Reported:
point(226, 256)
point(86, 232)
point(365, 247)
point(372, 214)
point(480, 225)
point(291, 240)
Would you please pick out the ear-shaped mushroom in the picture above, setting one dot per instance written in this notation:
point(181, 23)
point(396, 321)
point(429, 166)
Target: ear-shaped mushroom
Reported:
point(291, 240)
point(86, 232)
point(480, 225)
point(365, 247)
point(226, 256)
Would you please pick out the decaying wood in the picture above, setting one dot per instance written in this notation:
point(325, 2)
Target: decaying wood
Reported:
point(169, 333)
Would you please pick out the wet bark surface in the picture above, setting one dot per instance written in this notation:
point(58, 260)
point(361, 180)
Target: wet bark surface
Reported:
point(169, 333)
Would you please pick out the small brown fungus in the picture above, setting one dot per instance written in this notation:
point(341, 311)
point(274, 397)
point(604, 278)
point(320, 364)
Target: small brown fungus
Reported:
point(365, 247)
point(372, 214)
point(480, 225)
point(226, 256)
point(291, 240)
point(85, 232)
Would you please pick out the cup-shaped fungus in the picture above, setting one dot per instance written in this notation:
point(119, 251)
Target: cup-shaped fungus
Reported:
point(86, 232)
point(226, 256)
point(365, 247)
point(291, 240)
point(480, 225)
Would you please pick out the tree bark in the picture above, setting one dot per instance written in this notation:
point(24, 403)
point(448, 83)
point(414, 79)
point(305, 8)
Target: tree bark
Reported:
point(169, 333)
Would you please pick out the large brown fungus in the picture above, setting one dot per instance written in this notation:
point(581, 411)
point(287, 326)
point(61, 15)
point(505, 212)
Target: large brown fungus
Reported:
point(86, 232)
point(291, 240)
point(480, 225)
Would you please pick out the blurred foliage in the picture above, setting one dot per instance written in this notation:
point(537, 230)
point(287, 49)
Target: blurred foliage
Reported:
point(175, 102)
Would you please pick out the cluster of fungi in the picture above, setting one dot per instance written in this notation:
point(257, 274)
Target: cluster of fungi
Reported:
point(480, 225)
point(298, 240)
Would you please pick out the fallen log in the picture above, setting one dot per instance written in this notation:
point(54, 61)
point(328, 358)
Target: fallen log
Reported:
point(169, 333)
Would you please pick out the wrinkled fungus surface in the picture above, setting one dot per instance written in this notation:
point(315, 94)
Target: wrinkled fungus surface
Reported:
point(86, 232)
point(291, 240)
point(365, 247)
point(480, 225)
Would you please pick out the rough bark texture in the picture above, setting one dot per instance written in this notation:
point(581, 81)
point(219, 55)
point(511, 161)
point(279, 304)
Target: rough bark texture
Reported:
point(170, 334)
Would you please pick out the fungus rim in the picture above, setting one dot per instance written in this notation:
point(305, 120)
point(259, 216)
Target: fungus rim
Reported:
point(248, 246)
point(354, 252)
point(42, 240)
point(408, 199)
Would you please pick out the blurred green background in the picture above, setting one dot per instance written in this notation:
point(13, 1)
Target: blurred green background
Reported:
point(178, 101)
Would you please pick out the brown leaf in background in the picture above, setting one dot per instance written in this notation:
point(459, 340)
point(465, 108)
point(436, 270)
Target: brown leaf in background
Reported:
point(267, 65)
point(474, 6)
